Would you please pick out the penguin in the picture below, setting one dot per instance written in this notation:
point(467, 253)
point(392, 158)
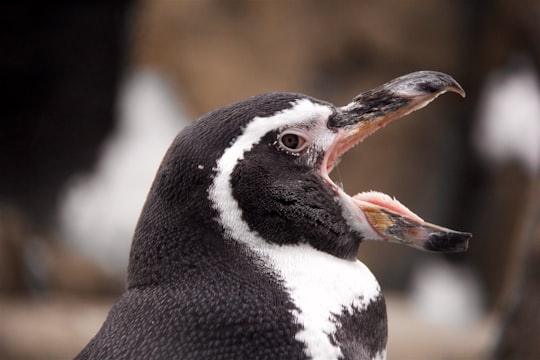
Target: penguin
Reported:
point(246, 249)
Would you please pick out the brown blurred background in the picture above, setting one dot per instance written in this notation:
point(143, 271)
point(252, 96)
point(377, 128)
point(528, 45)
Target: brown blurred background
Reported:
point(69, 71)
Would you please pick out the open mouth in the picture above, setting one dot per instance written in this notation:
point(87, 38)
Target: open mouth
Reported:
point(388, 219)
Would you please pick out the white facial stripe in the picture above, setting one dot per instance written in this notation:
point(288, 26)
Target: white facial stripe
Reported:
point(318, 283)
point(220, 193)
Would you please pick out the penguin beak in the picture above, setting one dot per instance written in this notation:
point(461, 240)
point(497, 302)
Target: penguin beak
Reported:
point(392, 222)
point(388, 219)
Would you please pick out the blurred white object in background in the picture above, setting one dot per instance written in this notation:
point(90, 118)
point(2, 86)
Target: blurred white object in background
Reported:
point(508, 123)
point(446, 294)
point(99, 211)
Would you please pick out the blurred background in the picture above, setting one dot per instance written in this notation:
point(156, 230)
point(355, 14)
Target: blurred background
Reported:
point(94, 92)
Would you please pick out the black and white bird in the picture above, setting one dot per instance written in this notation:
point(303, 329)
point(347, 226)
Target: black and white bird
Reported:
point(246, 249)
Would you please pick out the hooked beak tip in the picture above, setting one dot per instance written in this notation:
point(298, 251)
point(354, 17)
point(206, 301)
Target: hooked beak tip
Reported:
point(425, 83)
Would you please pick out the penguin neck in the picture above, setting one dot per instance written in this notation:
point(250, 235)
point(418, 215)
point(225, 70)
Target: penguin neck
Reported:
point(176, 232)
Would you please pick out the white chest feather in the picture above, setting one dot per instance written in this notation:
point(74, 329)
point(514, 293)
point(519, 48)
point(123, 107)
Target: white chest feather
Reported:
point(321, 286)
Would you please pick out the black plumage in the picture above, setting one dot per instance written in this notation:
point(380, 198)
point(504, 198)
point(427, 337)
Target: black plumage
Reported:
point(246, 249)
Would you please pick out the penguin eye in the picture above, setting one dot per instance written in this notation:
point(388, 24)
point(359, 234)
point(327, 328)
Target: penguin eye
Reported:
point(293, 141)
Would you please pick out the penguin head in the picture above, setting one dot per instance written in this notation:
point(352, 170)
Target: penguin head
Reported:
point(256, 172)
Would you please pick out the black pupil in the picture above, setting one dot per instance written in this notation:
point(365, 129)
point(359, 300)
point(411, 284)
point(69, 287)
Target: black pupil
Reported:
point(291, 141)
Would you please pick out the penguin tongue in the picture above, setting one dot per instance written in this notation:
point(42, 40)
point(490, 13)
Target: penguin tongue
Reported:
point(393, 222)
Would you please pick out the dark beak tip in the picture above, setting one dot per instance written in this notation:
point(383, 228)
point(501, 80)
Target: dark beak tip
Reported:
point(434, 82)
point(428, 82)
point(456, 88)
point(448, 242)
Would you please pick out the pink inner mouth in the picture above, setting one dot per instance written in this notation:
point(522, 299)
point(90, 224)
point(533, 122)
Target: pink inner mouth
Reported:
point(344, 142)
point(385, 201)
